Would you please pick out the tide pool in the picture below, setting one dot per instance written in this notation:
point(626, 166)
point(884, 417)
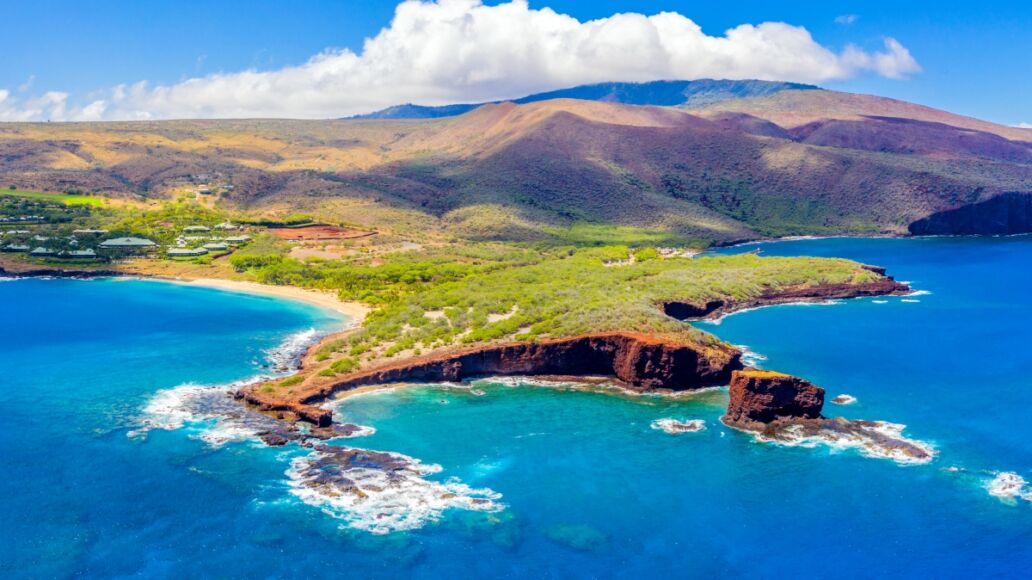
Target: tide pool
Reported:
point(105, 476)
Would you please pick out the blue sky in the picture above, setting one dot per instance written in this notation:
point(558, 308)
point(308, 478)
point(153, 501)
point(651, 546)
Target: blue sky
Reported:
point(973, 58)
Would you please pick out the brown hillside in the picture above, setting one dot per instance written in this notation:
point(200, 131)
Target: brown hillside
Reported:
point(770, 166)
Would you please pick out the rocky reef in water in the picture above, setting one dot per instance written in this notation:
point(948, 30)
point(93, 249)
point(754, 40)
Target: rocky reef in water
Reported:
point(780, 408)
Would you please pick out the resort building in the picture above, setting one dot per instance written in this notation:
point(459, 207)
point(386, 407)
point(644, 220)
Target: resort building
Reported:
point(196, 229)
point(237, 240)
point(128, 243)
point(43, 252)
point(89, 232)
point(15, 248)
point(185, 252)
point(216, 247)
point(87, 254)
point(226, 226)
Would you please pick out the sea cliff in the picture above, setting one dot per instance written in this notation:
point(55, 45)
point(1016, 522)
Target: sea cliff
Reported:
point(639, 361)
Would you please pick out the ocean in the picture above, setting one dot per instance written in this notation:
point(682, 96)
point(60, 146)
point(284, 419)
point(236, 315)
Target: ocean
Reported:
point(124, 457)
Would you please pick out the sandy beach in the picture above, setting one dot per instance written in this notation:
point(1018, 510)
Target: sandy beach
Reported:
point(324, 299)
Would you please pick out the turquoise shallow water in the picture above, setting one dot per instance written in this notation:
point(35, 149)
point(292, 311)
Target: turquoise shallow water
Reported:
point(98, 481)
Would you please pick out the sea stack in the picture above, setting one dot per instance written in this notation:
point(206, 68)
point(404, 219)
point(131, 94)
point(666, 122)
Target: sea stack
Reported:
point(759, 398)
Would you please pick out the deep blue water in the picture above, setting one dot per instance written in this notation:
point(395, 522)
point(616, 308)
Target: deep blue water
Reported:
point(587, 487)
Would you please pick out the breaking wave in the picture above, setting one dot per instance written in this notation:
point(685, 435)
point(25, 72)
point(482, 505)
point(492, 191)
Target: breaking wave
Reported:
point(210, 409)
point(381, 492)
point(749, 357)
point(287, 356)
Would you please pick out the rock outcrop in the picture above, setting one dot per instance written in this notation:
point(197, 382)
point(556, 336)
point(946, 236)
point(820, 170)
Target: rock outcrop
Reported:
point(759, 398)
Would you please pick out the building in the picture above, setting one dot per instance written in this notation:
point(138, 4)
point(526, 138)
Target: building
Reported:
point(128, 243)
point(41, 251)
point(215, 247)
point(238, 240)
point(226, 226)
point(185, 252)
point(15, 248)
point(89, 232)
point(192, 229)
point(87, 254)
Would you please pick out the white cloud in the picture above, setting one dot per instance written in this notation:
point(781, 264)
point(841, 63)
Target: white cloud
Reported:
point(27, 84)
point(846, 19)
point(1024, 125)
point(462, 51)
point(50, 105)
point(895, 62)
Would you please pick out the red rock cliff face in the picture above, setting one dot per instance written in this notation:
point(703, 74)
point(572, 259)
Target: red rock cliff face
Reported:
point(762, 397)
point(881, 287)
point(641, 361)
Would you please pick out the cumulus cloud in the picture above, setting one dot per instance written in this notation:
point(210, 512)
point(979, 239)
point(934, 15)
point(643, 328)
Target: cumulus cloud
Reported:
point(448, 51)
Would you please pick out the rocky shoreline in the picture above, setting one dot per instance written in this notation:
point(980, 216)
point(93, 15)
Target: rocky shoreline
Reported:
point(775, 406)
point(639, 361)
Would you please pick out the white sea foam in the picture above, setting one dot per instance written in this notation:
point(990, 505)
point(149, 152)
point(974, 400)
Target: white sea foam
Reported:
point(1009, 487)
point(920, 293)
point(381, 499)
point(673, 426)
point(716, 321)
point(211, 410)
point(287, 356)
point(844, 399)
point(880, 301)
point(910, 300)
point(749, 357)
point(875, 439)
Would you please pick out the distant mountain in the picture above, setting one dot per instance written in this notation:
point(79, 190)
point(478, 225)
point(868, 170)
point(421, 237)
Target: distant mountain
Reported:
point(698, 93)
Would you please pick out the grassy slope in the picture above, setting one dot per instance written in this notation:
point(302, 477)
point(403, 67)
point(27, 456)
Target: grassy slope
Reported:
point(64, 198)
point(474, 294)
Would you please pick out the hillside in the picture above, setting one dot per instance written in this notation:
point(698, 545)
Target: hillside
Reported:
point(797, 162)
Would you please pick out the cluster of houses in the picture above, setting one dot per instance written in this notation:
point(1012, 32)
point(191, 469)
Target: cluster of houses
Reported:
point(21, 219)
point(194, 241)
point(200, 240)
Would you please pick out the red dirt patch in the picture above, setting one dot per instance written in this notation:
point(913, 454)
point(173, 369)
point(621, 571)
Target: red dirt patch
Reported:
point(318, 232)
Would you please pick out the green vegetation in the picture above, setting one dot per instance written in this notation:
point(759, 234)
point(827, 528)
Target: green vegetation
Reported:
point(466, 294)
point(64, 198)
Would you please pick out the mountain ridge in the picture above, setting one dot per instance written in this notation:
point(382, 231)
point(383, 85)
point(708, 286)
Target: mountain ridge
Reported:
point(667, 93)
point(740, 169)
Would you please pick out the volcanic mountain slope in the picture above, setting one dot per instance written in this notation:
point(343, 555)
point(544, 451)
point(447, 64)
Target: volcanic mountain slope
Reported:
point(775, 165)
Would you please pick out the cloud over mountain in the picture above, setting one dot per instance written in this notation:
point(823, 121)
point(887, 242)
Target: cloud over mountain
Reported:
point(446, 51)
